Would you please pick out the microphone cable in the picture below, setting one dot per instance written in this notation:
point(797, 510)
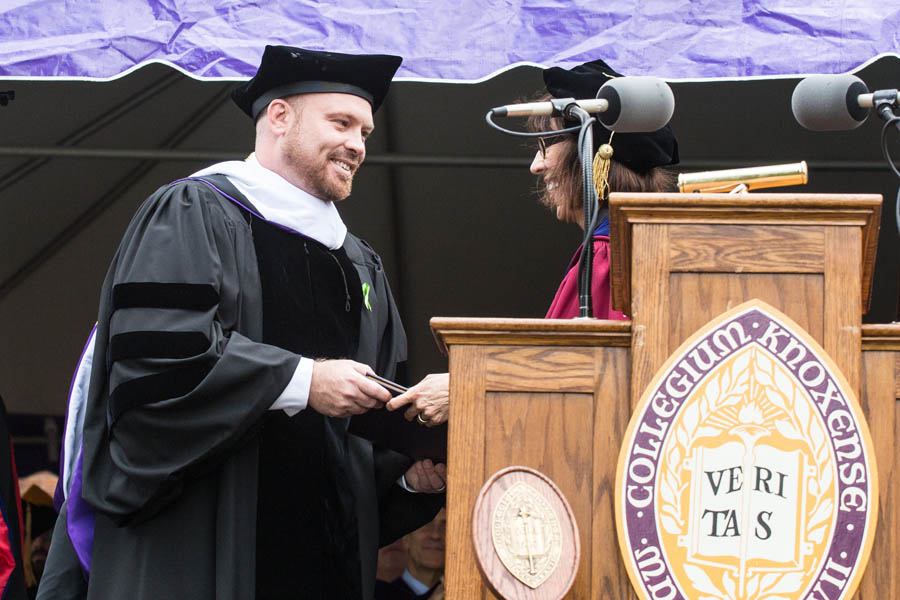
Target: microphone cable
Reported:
point(892, 120)
point(490, 122)
point(589, 201)
point(585, 306)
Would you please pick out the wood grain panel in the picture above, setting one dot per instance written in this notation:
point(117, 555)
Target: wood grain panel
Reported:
point(649, 305)
point(465, 471)
point(540, 369)
point(612, 411)
point(800, 297)
point(897, 375)
point(630, 210)
point(882, 410)
point(742, 249)
point(547, 432)
point(842, 309)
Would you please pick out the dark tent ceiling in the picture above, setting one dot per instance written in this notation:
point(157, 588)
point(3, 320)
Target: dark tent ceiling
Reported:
point(446, 200)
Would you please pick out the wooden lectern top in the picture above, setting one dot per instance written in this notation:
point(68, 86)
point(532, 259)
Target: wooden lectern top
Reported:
point(524, 332)
point(733, 247)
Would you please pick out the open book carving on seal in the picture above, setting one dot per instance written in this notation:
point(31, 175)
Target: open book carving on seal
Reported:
point(747, 471)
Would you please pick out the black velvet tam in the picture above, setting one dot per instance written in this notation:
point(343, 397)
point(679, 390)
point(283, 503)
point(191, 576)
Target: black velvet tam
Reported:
point(578, 82)
point(286, 70)
point(638, 151)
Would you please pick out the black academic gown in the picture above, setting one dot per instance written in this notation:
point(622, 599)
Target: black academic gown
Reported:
point(183, 378)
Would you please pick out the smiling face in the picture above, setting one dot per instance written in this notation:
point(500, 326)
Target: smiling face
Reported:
point(325, 143)
point(552, 165)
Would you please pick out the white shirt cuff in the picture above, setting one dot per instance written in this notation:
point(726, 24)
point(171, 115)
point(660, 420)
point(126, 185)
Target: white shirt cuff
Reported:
point(402, 483)
point(295, 395)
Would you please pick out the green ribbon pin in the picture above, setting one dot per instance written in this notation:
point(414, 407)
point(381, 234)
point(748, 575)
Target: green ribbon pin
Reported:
point(366, 289)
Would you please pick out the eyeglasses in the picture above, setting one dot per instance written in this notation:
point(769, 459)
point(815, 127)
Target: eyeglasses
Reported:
point(545, 141)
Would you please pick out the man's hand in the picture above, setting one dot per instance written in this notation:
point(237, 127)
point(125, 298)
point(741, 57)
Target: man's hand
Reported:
point(339, 388)
point(429, 398)
point(427, 477)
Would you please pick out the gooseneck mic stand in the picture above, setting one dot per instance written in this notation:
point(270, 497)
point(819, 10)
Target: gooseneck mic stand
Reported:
point(591, 208)
point(885, 103)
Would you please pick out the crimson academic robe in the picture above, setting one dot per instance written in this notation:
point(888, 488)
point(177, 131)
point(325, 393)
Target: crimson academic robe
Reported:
point(565, 304)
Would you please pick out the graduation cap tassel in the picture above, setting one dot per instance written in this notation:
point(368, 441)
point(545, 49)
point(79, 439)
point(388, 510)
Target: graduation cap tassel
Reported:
point(601, 170)
point(600, 182)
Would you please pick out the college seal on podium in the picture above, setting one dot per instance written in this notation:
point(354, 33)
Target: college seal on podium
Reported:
point(526, 538)
point(747, 471)
point(526, 534)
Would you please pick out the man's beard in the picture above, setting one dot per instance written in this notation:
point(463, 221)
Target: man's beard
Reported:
point(315, 171)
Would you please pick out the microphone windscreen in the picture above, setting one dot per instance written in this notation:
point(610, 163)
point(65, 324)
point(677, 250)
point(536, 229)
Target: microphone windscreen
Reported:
point(636, 104)
point(829, 102)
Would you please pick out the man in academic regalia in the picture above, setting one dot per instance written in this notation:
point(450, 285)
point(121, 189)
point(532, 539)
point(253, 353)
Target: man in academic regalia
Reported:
point(215, 457)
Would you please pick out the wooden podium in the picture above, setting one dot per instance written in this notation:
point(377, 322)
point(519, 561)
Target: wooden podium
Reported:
point(557, 395)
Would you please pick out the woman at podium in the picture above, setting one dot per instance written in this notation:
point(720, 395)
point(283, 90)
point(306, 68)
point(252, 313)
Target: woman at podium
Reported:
point(623, 162)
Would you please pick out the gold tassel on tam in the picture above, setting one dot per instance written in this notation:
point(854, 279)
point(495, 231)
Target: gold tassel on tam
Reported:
point(601, 170)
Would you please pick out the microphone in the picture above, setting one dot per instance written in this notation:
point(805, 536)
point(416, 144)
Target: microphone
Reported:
point(636, 104)
point(624, 104)
point(555, 107)
point(838, 102)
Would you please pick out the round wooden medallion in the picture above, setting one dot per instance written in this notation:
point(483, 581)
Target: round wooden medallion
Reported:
point(525, 536)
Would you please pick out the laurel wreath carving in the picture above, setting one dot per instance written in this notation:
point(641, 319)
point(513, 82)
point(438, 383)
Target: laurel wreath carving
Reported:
point(724, 394)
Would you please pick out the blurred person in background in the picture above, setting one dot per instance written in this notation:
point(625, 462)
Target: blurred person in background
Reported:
point(424, 574)
point(392, 561)
point(38, 517)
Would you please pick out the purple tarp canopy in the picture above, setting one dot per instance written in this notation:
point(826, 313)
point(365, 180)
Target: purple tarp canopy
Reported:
point(462, 40)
